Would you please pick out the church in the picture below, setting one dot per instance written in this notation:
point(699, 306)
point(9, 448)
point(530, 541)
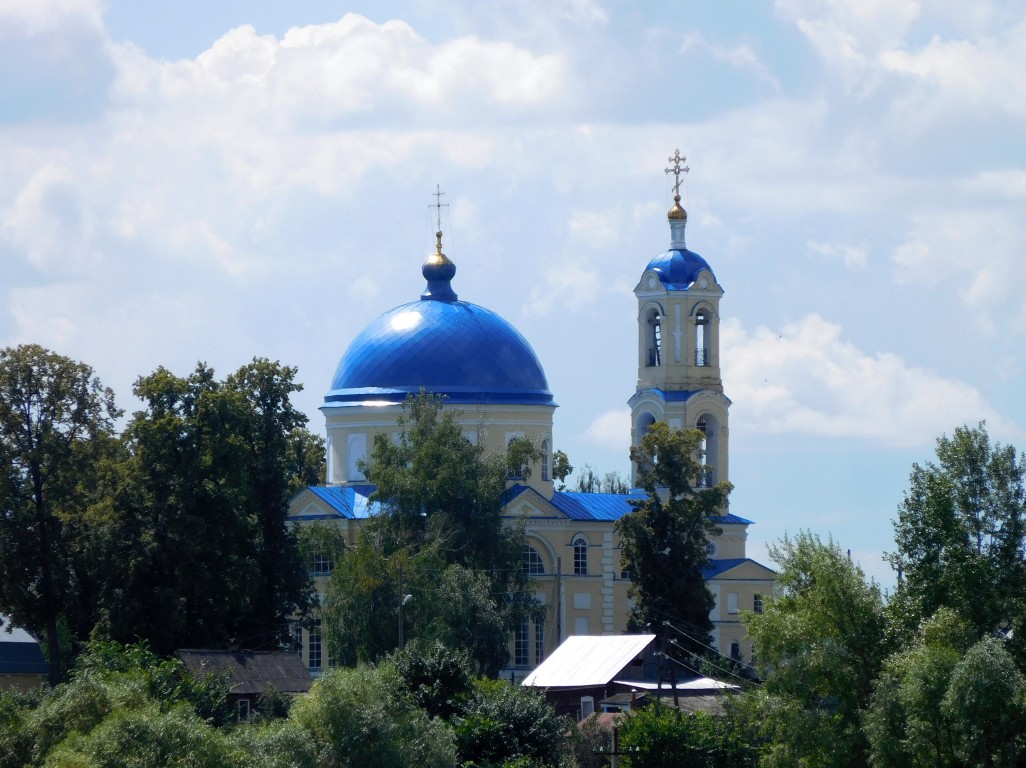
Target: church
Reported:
point(486, 370)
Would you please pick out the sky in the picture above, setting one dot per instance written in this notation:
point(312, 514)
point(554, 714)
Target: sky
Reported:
point(218, 181)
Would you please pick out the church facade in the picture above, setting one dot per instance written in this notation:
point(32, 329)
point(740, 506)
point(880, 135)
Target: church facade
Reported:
point(485, 369)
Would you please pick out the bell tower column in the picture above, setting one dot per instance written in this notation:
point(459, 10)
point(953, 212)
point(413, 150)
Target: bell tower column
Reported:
point(679, 378)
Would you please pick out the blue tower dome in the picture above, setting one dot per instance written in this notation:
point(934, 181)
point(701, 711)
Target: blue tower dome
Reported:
point(678, 268)
point(449, 347)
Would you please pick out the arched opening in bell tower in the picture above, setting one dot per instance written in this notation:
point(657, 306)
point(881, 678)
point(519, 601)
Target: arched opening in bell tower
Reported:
point(703, 356)
point(654, 339)
point(708, 449)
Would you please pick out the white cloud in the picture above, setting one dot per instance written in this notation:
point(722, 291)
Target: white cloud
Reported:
point(850, 256)
point(611, 430)
point(740, 57)
point(808, 380)
point(569, 285)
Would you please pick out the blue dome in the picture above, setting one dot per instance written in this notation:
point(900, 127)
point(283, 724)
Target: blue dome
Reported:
point(453, 348)
point(678, 268)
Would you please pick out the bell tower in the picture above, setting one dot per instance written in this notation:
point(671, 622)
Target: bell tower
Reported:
point(679, 344)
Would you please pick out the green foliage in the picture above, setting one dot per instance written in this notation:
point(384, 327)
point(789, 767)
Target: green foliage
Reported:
point(820, 646)
point(275, 744)
point(144, 737)
point(659, 736)
point(503, 724)
point(362, 716)
point(197, 551)
point(440, 539)
point(15, 739)
point(665, 536)
point(437, 488)
point(984, 703)
point(437, 677)
point(56, 424)
point(561, 469)
point(960, 536)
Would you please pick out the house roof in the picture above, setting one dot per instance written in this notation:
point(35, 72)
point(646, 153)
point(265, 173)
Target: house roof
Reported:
point(20, 653)
point(698, 684)
point(350, 501)
point(253, 672)
point(587, 660)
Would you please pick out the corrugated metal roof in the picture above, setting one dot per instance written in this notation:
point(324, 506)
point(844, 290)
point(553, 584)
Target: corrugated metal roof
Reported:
point(587, 660)
point(253, 672)
point(350, 501)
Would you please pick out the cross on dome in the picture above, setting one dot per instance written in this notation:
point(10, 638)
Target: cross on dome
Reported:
point(677, 170)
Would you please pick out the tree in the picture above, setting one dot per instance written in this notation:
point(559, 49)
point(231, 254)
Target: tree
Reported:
point(437, 487)
point(440, 538)
point(505, 724)
point(665, 535)
point(905, 723)
point(662, 737)
point(561, 468)
point(56, 420)
point(611, 482)
point(961, 534)
point(194, 540)
point(820, 646)
point(363, 716)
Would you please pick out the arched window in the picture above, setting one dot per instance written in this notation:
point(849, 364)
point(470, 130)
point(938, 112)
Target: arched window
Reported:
point(708, 450)
point(703, 356)
point(654, 339)
point(580, 545)
point(357, 452)
point(532, 561)
point(545, 460)
point(515, 472)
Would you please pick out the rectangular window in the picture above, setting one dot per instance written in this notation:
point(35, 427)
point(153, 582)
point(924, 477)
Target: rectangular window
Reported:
point(314, 646)
point(322, 565)
point(757, 606)
point(521, 648)
point(581, 625)
point(243, 712)
point(539, 642)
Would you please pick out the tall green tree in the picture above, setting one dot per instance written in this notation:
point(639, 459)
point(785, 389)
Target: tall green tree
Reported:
point(961, 535)
point(666, 535)
point(820, 644)
point(56, 421)
point(197, 550)
point(441, 523)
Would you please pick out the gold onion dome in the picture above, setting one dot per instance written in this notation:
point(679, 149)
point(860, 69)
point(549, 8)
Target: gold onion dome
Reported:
point(677, 212)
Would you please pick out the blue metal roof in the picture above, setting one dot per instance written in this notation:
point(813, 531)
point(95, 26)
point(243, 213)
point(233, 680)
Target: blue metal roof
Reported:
point(613, 506)
point(667, 395)
point(716, 567)
point(351, 501)
point(453, 348)
point(677, 269)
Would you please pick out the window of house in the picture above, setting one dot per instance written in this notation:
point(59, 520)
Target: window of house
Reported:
point(732, 602)
point(521, 648)
point(545, 461)
point(587, 706)
point(735, 650)
point(580, 545)
point(757, 603)
point(314, 646)
point(243, 710)
point(532, 561)
point(322, 565)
